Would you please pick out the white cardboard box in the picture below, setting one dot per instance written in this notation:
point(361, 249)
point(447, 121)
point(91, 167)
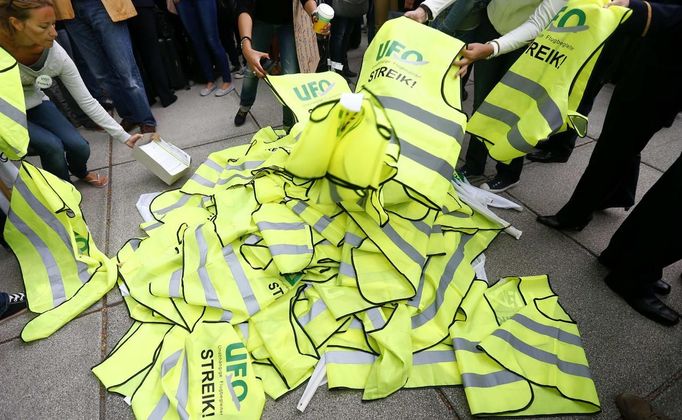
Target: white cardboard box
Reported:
point(164, 160)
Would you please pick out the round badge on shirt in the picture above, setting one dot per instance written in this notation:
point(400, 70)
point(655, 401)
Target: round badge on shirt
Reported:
point(43, 81)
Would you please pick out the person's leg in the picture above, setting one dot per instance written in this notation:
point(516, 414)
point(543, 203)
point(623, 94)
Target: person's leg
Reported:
point(289, 60)
point(144, 34)
point(77, 149)
point(339, 27)
point(207, 10)
point(262, 35)
point(48, 147)
point(189, 15)
point(226, 31)
point(371, 22)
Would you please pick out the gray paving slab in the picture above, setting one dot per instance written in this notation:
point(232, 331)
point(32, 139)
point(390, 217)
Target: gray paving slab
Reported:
point(51, 379)
point(668, 402)
point(348, 404)
point(545, 188)
point(617, 340)
point(665, 147)
point(130, 180)
point(99, 148)
point(596, 116)
point(194, 120)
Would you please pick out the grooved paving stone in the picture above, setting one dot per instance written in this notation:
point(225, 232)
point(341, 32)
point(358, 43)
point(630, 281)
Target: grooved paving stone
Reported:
point(617, 340)
point(665, 147)
point(130, 180)
point(194, 120)
point(670, 401)
point(348, 404)
point(51, 378)
point(546, 187)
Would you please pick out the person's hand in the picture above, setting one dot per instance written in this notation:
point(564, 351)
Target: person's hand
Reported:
point(418, 15)
point(133, 139)
point(326, 29)
point(474, 52)
point(624, 3)
point(462, 71)
point(253, 58)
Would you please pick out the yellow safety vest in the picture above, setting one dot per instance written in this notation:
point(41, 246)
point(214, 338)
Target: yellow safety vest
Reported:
point(519, 353)
point(64, 272)
point(541, 91)
point(407, 68)
point(13, 123)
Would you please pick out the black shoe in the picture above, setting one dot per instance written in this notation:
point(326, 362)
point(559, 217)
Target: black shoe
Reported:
point(498, 185)
point(554, 223)
point(15, 304)
point(468, 173)
point(660, 287)
point(240, 118)
point(547, 156)
point(646, 304)
point(169, 102)
point(346, 72)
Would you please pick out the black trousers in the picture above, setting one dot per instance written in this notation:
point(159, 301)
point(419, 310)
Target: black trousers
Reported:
point(144, 37)
point(634, 115)
point(649, 239)
point(488, 74)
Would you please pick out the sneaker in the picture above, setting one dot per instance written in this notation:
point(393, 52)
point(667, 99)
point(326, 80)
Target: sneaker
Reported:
point(239, 74)
point(15, 304)
point(240, 118)
point(498, 185)
point(468, 174)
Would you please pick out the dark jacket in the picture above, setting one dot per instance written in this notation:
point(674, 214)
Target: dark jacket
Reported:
point(268, 11)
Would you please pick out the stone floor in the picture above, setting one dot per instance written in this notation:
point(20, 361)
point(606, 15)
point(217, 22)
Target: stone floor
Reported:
point(52, 379)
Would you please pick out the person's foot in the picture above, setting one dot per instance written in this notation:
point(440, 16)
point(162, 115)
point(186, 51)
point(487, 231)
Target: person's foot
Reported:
point(96, 180)
point(170, 101)
point(660, 287)
point(239, 74)
point(224, 89)
point(210, 87)
point(633, 407)
point(15, 303)
point(128, 125)
point(547, 156)
point(240, 118)
point(646, 303)
point(498, 185)
point(147, 128)
point(555, 223)
point(467, 173)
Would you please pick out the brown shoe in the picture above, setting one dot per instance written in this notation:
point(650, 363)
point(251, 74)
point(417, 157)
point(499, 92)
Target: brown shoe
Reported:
point(632, 407)
point(146, 128)
point(128, 125)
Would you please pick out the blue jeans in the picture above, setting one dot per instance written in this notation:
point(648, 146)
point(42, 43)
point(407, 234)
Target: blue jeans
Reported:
point(51, 137)
point(262, 38)
point(340, 38)
point(105, 46)
point(199, 18)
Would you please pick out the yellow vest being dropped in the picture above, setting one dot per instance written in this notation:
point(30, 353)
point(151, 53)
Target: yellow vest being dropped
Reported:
point(541, 91)
point(13, 124)
point(64, 272)
point(304, 91)
point(408, 69)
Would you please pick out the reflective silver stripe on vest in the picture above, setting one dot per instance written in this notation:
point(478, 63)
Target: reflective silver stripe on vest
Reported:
point(13, 113)
point(322, 223)
point(417, 298)
point(226, 180)
point(280, 225)
point(355, 324)
point(352, 239)
point(334, 193)
point(226, 316)
point(213, 165)
point(209, 291)
point(401, 243)
point(244, 328)
point(252, 239)
point(181, 202)
point(347, 270)
point(174, 284)
point(448, 276)
point(51, 220)
point(439, 123)
point(489, 380)
point(433, 356)
point(202, 181)
point(317, 308)
point(509, 118)
point(436, 229)
point(546, 105)
point(426, 159)
point(53, 274)
point(170, 362)
point(160, 409)
point(300, 207)
point(543, 356)
point(376, 318)
point(548, 330)
point(422, 226)
point(462, 344)
point(183, 390)
point(350, 357)
point(251, 164)
point(153, 226)
point(135, 243)
point(233, 394)
point(243, 284)
point(286, 249)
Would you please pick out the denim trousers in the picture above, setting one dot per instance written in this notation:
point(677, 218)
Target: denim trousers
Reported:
point(60, 146)
point(106, 47)
point(262, 38)
point(199, 17)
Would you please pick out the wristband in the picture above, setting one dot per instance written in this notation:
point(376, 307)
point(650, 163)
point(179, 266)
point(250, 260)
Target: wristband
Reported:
point(244, 38)
point(648, 19)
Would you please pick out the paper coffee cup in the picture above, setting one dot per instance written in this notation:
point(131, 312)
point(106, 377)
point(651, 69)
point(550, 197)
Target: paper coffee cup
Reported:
point(325, 14)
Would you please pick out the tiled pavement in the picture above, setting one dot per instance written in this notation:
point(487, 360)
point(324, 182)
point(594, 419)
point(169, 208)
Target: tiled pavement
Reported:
point(50, 379)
